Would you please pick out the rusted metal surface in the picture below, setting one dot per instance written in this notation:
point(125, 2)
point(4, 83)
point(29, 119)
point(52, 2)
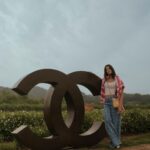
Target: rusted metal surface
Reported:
point(64, 133)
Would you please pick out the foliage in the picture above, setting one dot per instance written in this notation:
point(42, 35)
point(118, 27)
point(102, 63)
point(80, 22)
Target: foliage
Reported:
point(8, 146)
point(15, 102)
point(11, 120)
point(7, 97)
point(21, 107)
point(20, 110)
point(136, 121)
point(133, 121)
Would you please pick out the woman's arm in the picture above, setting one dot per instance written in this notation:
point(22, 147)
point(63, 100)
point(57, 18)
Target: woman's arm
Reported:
point(121, 104)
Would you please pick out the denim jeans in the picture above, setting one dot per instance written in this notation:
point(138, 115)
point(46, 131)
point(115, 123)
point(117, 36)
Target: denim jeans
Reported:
point(112, 122)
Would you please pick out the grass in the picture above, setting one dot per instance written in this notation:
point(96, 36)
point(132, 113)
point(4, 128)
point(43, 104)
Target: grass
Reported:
point(8, 146)
point(132, 140)
point(127, 141)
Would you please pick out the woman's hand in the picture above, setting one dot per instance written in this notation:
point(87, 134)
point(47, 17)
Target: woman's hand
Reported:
point(121, 109)
point(101, 100)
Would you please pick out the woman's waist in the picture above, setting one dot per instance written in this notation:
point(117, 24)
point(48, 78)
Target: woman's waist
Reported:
point(108, 99)
point(110, 96)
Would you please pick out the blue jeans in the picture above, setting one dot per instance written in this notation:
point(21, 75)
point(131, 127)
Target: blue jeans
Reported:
point(112, 122)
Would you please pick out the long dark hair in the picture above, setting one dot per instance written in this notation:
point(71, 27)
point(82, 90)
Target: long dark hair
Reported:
point(112, 69)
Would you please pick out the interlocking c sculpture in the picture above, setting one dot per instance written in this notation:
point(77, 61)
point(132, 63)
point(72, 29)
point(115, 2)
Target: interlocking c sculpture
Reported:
point(64, 133)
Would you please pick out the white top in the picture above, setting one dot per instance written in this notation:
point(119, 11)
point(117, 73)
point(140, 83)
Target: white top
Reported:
point(110, 88)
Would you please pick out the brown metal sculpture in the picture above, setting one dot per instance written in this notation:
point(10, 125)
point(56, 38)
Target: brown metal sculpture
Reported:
point(64, 134)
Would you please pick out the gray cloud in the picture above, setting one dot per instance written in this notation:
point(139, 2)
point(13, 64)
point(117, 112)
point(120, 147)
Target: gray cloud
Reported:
point(76, 35)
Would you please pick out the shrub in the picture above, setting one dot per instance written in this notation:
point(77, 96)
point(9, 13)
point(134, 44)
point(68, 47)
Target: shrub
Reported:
point(11, 120)
point(133, 121)
point(136, 121)
point(20, 107)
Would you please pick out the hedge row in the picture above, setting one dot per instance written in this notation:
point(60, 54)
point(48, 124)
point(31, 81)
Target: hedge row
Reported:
point(38, 106)
point(20, 107)
point(11, 120)
point(136, 121)
point(26, 106)
point(133, 121)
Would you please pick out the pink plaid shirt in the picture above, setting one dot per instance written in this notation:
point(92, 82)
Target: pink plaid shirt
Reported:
point(120, 87)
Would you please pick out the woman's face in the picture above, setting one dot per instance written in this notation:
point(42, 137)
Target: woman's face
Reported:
point(108, 70)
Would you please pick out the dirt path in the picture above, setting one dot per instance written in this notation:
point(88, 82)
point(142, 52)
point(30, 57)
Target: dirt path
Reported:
point(139, 147)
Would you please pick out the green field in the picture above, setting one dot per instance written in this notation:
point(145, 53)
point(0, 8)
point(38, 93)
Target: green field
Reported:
point(19, 110)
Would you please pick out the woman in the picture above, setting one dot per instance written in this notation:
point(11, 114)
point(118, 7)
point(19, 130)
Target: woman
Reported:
point(112, 86)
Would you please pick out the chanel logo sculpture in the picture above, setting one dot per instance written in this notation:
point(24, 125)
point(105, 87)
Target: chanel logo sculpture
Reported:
point(64, 133)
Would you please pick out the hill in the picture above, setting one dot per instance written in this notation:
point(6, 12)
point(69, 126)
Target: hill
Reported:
point(35, 93)
point(39, 93)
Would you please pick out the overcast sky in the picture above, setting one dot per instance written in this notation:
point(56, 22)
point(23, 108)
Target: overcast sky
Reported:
point(73, 35)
